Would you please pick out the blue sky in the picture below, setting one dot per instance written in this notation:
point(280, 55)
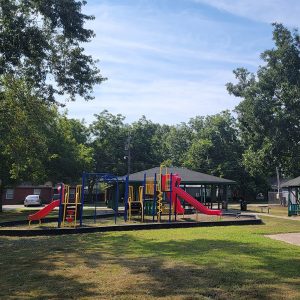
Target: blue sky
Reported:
point(170, 59)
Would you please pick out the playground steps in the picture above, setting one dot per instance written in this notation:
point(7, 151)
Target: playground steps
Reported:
point(70, 216)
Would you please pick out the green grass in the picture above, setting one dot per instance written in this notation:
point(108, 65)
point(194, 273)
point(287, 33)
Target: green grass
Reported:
point(197, 263)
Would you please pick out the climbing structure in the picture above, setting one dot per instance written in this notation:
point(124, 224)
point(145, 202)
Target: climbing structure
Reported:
point(71, 207)
point(135, 206)
point(155, 197)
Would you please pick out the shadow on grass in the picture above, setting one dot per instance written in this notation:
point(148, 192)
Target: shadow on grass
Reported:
point(63, 267)
point(211, 268)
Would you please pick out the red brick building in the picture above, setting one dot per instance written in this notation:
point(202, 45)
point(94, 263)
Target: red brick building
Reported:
point(17, 195)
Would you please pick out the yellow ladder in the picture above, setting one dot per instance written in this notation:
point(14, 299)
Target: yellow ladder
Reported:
point(70, 214)
point(131, 202)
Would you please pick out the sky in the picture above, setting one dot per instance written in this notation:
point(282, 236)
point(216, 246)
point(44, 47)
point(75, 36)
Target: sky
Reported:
point(170, 59)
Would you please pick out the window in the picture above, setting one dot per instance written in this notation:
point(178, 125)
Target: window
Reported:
point(9, 194)
point(36, 191)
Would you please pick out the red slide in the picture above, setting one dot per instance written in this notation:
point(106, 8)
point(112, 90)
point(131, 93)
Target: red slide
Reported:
point(195, 203)
point(44, 211)
point(178, 206)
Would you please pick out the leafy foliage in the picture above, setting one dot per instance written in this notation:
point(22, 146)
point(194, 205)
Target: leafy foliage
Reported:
point(41, 42)
point(269, 113)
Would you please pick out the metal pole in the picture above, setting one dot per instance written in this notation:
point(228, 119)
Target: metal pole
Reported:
point(95, 211)
point(154, 199)
point(116, 201)
point(144, 196)
point(176, 200)
point(126, 197)
point(82, 197)
point(278, 185)
point(60, 205)
point(170, 207)
point(128, 148)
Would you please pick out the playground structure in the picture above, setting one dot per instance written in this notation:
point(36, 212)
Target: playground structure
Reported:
point(69, 209)
point(91, 181)
point(159, 195)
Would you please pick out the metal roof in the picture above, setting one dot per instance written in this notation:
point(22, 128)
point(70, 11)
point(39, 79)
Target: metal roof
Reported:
point(187, 176)
point(292, 182)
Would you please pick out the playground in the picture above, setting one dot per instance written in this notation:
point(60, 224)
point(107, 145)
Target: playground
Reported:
point(199, 252)
point(160, 201)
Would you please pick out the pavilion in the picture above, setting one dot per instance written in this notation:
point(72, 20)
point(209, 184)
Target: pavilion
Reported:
point(206, 188)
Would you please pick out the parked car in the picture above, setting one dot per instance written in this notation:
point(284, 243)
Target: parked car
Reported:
point(32, 200)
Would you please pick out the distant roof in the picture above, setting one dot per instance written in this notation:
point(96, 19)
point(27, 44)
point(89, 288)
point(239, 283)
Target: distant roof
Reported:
point(273, 182)
point(292, 182)
point(187, 176)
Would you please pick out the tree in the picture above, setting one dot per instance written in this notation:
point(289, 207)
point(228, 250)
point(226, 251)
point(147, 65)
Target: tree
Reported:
point(42, 60)
point(41, 42)
point(146, 141)
point(269, 113)
point(37, 143)
point(23, 144)
point(109, 135)
point(68, 152)
point(177, 142)
point(215, 148)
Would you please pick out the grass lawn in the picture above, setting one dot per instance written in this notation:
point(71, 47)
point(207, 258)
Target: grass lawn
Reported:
point(197, 263)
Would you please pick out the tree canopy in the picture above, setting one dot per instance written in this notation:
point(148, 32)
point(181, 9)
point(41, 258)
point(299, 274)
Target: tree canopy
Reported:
point(269, 113)
point(41, 42)
point(40, 143)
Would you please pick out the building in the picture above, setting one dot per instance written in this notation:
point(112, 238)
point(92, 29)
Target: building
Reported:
point(293, 195)
point(17, 194)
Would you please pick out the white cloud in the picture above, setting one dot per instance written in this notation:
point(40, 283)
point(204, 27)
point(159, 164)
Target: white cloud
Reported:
point(163, 101)
point(269, 11)
point(169, 66)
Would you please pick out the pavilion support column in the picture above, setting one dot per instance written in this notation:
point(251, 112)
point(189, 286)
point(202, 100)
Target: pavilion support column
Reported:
point(225, 198)
point(213, 195)
point(220, 191)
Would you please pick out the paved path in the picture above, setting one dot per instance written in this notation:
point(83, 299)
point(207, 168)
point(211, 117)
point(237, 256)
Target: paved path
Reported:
point(293, 218)
point(291, 238)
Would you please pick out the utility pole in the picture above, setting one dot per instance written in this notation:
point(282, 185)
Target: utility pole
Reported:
point(278, 185)
point(128, 156)
point(1, 195)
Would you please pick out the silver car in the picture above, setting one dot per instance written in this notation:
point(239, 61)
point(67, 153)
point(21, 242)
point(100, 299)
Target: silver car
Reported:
point(32, 200)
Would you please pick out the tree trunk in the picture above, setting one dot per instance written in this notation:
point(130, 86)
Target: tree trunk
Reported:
point(1, 194)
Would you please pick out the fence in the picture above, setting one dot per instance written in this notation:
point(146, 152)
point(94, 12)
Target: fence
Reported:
point(280, 198)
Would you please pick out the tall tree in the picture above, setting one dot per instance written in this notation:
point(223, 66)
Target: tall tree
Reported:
point(37, 143)
point(109, 135)
point(68, 153)
point(41, 42)
point(146, 144)
point(215, 148)
point(269, 113)
point(41, 48)
point(23, 126)
point(177, 142)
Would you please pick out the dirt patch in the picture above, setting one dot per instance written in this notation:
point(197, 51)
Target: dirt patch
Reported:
point(291, 238)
